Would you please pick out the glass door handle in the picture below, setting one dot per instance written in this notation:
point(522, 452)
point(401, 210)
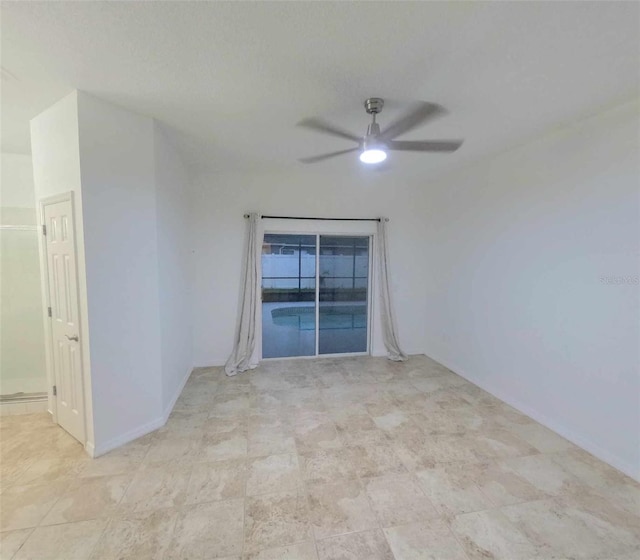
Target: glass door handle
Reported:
point(72, 337)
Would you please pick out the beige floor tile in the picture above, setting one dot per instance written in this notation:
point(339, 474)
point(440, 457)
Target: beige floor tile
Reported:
point(504, 486)
point(274, 473)
point(327, 465)
point(452, 422)
point(627, 556)
point(476, 396)
point(498, 443)
point(366, 545)
point(276, 520)
point(124, 460)
point(341, 507)
point(289, 399)
point(397, 500)
point(605, 480)
point(431, 384)
point(47, 470)
point(71, 541)
point(269, 440)
point(572, 532)
point(231, 404)
point(157, 487)
point(364, 431)
point(173, 451)
point(543, 473)
point(10, 472)
point(25, 506)
point(413, 401)
point(353, 437)
point(222, 480)
point(453, 488)
point(587, 468)
point(413, 458)
point(88, 498)
point(543, 439)
point(448, 399)
point(300, 551)
point(137, 536)
point(390, 418)
point(195, 398)
point(490, 535)
point(212, 530)
point(327, 379)
point(452, 448)
point(223, 445)
point(215, 424)
point(375, 460)
point(427, 540)
point(183, 423)
point(623, 511)
point(354, 417)
point(310, 437)
point(506, 415)
point(11, 541)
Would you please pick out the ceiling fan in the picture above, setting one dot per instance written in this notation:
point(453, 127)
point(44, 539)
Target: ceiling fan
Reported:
point(373, 147)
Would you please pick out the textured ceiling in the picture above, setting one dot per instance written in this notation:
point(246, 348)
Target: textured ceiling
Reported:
point(230, 80)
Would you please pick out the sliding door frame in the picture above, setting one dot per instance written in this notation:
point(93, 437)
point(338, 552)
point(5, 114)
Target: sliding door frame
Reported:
point(370, 288)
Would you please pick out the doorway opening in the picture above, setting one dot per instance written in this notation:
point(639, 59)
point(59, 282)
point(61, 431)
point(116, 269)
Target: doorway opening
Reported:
point(315, 295)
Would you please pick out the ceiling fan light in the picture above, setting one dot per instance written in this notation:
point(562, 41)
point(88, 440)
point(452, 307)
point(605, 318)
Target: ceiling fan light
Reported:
point(374, 155)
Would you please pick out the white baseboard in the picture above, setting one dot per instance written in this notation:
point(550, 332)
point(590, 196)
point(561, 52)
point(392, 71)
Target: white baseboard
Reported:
point(213, 363)
point(167, 411)
point(143, 430)
point(90, 449)
point(30, 407)
point(127, 437)
point(579, 440)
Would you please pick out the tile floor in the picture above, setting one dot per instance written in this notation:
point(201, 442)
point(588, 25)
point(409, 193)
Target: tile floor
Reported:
point(352, 459)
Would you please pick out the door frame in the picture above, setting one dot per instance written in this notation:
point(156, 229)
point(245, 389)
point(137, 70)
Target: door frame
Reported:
point(370, 290)
point(46, 300)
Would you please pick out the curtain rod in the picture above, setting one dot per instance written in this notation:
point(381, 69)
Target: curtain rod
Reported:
point(329, 219)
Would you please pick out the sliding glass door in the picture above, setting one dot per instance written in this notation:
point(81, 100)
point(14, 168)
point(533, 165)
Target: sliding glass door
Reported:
point(288, 295)
point(343, 294)
point(315, 295)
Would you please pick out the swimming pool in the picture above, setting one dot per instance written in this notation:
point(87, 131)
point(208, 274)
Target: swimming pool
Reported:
point(331, 317)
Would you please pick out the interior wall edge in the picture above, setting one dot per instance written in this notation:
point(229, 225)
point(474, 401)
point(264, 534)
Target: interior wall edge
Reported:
point(143, 429)
point(581, 441)
point(127, 437)
point(172, 402)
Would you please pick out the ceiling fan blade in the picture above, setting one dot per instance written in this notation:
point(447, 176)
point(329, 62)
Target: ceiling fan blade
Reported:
point(425, 145)
point(314, 159)
point(322, 126)
point(414, 117)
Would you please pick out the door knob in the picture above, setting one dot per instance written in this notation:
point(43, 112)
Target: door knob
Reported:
point(72, 337)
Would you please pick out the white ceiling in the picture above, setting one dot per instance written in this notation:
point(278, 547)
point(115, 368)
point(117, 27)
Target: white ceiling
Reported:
point(232, 79)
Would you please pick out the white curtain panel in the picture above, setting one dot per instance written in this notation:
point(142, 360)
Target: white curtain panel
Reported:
point(389, 330)
point(242, 358)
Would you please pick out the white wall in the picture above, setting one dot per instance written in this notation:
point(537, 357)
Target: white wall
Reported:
point(520, 253)
point(22, 350)
point(16, 185)
point(132, 229)
point(119, 206)
point(220, 202)
point(173, 213)
point(56, 169)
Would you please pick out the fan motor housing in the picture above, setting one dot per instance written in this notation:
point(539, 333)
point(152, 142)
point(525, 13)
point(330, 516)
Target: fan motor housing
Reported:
point(374, 105)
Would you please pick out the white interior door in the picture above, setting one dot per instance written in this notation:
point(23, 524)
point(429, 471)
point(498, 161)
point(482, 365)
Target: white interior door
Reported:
point(65, 329)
